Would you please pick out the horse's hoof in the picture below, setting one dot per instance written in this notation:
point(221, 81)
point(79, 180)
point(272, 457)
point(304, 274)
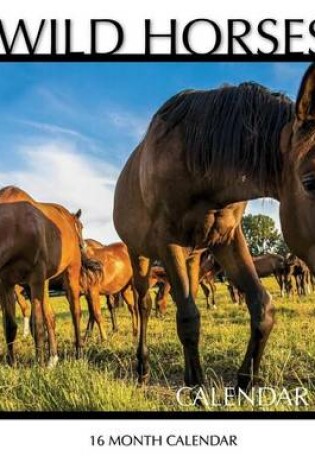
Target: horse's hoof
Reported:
point(52, 362)
point(79, 353)
point(214, 307)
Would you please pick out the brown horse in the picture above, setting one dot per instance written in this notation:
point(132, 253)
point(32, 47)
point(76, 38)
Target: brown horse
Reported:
point(183, 188)
point(64, 249)
point(116, 277)
point(209, 271)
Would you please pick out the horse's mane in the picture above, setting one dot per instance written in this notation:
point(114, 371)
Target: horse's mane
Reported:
point(235, 126)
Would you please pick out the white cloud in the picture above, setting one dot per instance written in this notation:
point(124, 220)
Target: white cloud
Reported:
point(54, 129)
point(131, 124)
point(57, 172)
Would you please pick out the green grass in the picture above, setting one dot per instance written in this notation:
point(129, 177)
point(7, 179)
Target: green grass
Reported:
point(105, 380)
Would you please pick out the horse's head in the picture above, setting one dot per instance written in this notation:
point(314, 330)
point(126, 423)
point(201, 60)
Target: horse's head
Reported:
point(297, 195)
point(91, 268)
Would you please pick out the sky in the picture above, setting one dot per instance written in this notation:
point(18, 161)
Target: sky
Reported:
point(68, 128)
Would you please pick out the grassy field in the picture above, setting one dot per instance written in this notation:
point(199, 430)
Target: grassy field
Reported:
point(104, 380)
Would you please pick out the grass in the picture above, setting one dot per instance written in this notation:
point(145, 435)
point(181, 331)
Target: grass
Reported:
point(105, 380)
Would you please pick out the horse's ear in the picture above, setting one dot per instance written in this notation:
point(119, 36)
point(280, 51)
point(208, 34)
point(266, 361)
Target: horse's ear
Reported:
point(305, 103)
point(78, 213)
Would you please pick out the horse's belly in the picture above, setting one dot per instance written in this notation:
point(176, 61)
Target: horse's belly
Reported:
point(116, 278)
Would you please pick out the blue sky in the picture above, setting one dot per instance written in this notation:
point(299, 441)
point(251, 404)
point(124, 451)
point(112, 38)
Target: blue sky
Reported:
point(67, 129)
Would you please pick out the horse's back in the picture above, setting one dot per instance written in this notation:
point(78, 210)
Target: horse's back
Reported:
point(268, 264)
point(117, 269)
point(25, 235)
point(55, 213)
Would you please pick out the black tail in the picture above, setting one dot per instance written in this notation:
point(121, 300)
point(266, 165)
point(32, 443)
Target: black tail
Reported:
point(91, 270)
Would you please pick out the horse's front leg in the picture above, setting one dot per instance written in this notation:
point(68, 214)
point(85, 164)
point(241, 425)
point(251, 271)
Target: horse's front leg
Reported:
point(238, 264)
point(206, 292)
point(50, 323)
point(184, 280)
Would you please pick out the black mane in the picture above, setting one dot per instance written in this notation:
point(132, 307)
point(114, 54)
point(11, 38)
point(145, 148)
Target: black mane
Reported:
point(233, 129)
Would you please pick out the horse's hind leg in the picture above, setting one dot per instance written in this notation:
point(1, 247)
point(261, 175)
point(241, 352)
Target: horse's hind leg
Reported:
point(111, 307)
point(141, 276)
point(9, 322)
point(21, 300)
point(184, 282)
point(91, 320)
point(95, 314)
point(72, 281)
point(128, 297)
point(237, 262)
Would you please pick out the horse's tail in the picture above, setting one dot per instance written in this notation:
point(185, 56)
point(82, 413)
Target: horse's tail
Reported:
point(91, 270)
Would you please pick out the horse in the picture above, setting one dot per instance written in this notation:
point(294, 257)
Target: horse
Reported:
point(184, 188)
point(65, 249)
point(116, 276)
point(297, 269)
point(266, 265)
point(271, 264)
point(28, 257)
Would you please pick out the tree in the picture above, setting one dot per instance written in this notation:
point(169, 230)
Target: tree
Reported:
point(262, 235)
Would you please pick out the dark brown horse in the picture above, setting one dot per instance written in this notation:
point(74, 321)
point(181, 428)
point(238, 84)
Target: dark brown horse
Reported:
point(63, 247)
point(266, 265)
point(30, 249)
point(297, 270)
point(115, 277)
point(183, 188)
point(271, 264)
